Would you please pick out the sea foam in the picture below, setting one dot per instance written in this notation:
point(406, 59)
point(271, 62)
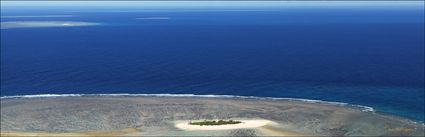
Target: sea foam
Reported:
point(361, 107)
point(44, 24)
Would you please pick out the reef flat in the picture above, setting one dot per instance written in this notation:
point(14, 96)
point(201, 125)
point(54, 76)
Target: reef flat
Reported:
point(142, 115)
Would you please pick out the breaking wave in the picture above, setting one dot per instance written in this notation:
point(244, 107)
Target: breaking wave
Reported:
point(44, 24)
point(361, 107)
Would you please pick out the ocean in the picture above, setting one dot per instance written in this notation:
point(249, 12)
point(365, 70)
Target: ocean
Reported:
point(370, 55)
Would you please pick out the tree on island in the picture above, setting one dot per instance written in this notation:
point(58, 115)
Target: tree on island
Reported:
point(214, 122)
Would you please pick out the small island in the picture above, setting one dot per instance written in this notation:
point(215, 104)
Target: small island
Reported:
point(213, 122)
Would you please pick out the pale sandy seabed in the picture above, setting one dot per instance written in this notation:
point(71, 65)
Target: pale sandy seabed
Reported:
point(148, 116)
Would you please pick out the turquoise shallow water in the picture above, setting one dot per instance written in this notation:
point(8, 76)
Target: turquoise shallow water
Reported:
point(365, 55)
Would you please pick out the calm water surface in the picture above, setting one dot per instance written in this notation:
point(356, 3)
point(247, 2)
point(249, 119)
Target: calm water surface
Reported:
point(372, 56)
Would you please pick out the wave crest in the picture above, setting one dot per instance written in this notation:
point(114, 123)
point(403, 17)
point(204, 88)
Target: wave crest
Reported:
point(44, 24)
point(361, 107)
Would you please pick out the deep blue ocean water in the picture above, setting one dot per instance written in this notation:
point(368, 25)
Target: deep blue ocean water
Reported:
point(372, 56)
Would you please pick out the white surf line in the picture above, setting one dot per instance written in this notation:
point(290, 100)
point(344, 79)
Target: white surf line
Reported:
point(361, 107)
point(44, 24)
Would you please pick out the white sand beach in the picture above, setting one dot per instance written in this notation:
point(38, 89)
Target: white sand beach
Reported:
point(184, 125)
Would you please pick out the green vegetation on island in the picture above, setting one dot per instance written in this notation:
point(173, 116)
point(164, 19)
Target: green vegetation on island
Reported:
point(213, 122)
